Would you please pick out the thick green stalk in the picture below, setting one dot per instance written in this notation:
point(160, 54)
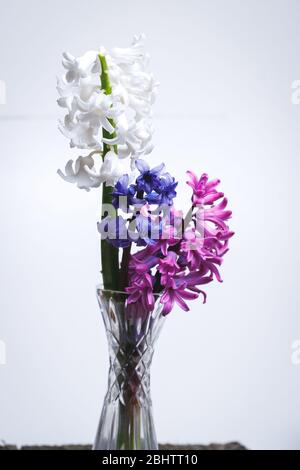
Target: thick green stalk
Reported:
point(109, 253)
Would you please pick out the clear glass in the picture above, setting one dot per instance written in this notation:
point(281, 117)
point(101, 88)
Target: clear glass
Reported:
point(126, 420)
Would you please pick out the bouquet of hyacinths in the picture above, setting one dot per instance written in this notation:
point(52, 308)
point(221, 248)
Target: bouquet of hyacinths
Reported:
point(152, 254)
point(176, 255)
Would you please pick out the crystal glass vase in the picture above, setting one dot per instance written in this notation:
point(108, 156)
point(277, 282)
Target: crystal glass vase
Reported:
point(126, 420)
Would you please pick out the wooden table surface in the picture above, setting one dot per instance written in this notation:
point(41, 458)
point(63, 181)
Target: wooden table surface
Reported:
point(213, 446)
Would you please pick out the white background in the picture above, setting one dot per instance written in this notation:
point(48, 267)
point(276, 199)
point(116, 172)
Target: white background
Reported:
point(223, 371)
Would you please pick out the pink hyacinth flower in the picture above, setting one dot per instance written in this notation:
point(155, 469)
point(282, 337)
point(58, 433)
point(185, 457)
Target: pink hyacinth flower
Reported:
point(204, 191)
point(182, 288)
point(168, 266)
point(141, 292)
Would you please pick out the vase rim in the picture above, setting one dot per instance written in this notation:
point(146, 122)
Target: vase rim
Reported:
point(100, 287)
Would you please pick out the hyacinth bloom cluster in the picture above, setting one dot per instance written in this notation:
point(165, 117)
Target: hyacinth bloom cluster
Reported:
point(140, 205)
point(148, 247)
point(178, 255)
point(120, 119)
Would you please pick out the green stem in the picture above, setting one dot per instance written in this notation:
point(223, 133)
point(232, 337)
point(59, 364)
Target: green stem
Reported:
point(125, 267)
point(129, 430)
point(109, 253)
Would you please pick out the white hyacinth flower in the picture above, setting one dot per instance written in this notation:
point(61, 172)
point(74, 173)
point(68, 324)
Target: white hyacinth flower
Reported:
point(112, 169)
point(125, 114)
point(80, 67)
point(100, 107)
point(87, 174)
point(131, 55)
point(78, 172)
point(132, 141)
point(82, 134)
